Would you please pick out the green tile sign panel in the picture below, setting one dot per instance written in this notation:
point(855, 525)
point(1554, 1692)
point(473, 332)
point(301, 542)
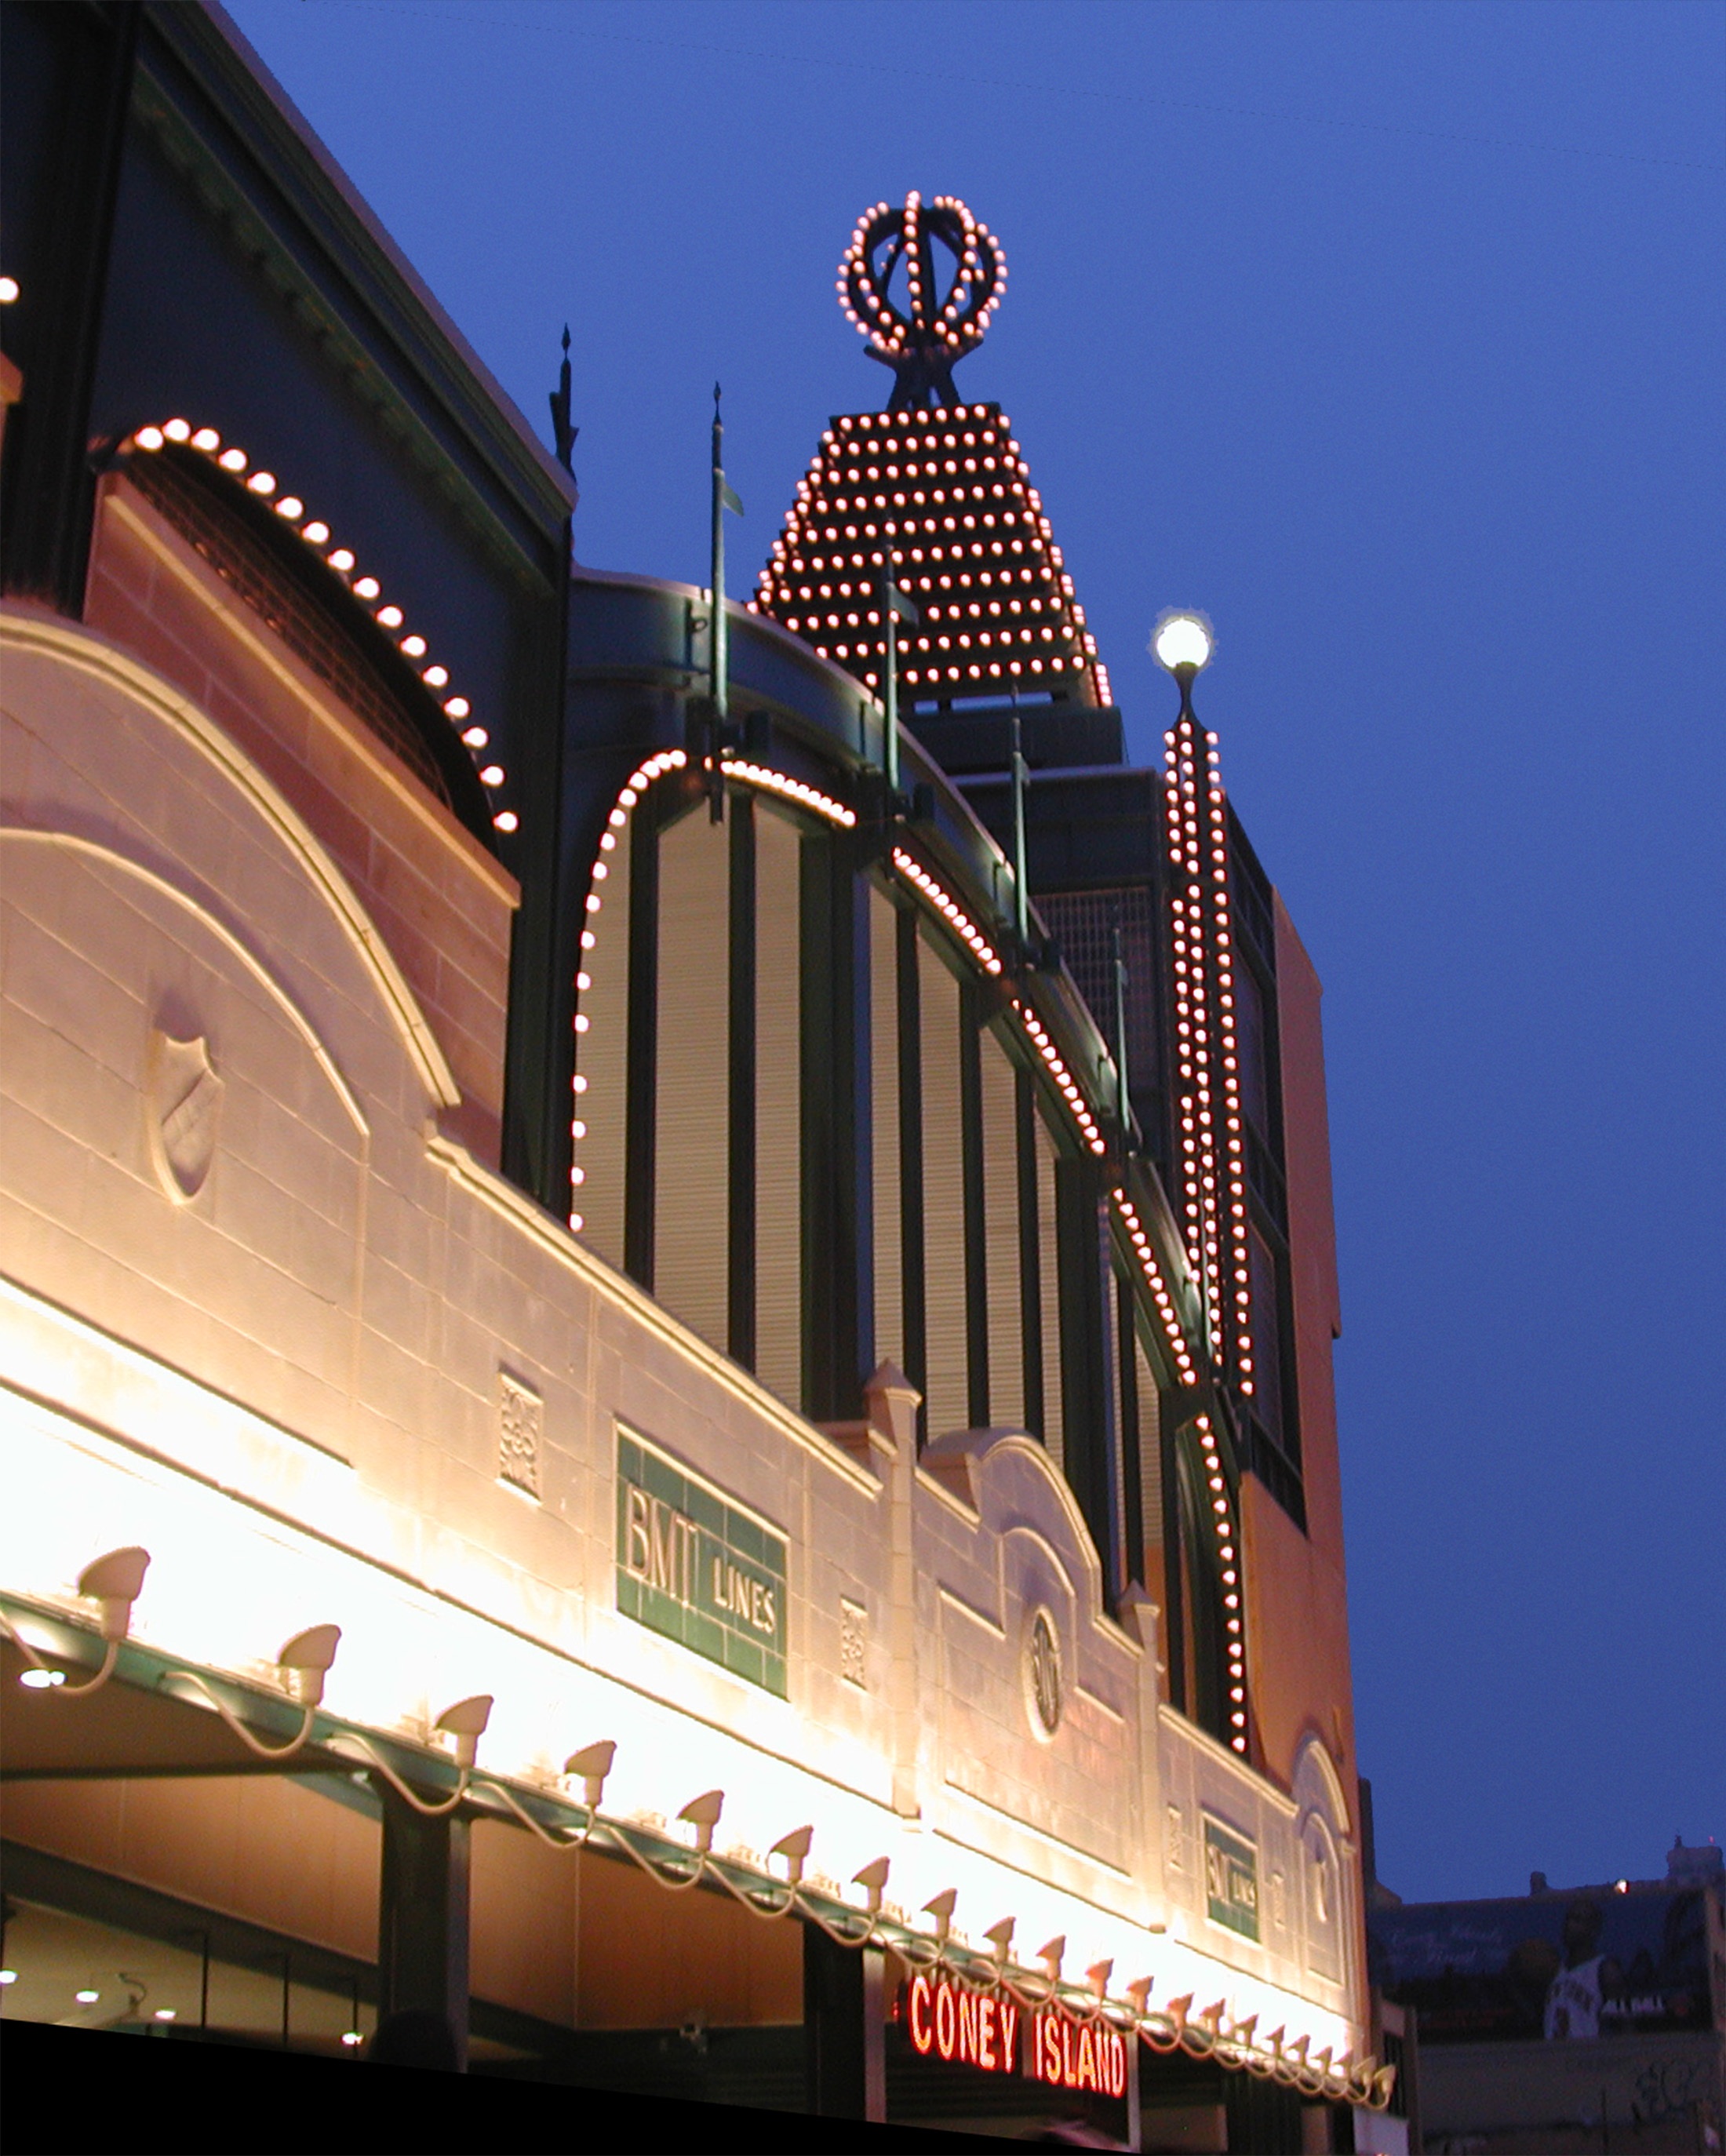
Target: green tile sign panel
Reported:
point(691, 1565)
point(1231, 1880)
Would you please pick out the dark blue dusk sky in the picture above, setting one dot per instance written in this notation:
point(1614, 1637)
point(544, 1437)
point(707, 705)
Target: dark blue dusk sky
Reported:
point(1392, 337)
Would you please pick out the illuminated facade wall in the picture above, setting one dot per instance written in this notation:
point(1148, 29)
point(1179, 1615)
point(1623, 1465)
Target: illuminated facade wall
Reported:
point(686, 1279)
point(406, 1298)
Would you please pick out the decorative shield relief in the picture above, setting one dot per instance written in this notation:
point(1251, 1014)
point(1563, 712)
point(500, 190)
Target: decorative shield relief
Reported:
point(185, 1103)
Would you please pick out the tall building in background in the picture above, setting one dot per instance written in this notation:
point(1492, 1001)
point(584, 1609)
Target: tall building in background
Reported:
point(667, 1360)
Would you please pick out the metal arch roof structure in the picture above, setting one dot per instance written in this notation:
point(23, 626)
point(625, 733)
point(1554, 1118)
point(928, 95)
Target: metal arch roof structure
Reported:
point(639, 645)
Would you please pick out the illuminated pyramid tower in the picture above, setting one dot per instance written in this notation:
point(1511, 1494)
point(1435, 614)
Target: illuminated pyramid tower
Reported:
point(941, 483)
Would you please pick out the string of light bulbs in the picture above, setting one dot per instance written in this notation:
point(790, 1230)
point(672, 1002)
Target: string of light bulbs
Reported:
point(116, 1581)
point(363, 587)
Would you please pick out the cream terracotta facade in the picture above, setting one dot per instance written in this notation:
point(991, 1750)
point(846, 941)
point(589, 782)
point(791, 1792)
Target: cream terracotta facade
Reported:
point(300, 1371)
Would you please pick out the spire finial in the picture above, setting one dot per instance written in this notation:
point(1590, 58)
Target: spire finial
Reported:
point(563, 434)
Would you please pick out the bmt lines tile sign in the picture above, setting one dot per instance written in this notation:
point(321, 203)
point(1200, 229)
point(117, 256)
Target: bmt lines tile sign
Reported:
point(693, 1565)
point(1231, 1880)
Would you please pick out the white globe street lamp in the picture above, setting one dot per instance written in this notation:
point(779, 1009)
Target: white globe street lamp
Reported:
point(1182, 641)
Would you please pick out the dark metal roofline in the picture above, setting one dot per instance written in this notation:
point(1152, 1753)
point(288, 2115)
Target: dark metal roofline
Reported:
point(817, 700)
point(765, 658)
point(211, 46)
point(1092, 774)
point(824, 708)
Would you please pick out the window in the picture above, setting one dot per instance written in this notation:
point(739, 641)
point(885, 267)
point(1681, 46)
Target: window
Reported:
point(1084, 924)
point(1251, 1048)
point(1267, 1338)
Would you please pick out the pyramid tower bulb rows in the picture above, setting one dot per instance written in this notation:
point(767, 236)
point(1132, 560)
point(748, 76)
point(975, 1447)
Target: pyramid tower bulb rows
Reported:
point(943, 492)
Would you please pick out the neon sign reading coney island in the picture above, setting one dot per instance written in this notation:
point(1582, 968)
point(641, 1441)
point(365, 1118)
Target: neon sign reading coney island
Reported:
point(1075, 2055)
point(1044, 2044)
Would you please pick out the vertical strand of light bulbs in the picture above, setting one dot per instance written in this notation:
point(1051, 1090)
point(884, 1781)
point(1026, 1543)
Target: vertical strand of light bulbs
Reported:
point(1188, 819)
point(617, 826)
point(1212, 1143)
point(1212, 1150)
point(1234, 1163)
point(1228, 1572)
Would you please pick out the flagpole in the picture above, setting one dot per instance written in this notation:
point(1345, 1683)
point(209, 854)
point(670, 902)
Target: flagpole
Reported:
point(1021, 895)
point(895, 608)
point(718, 635)
point(716, 644)
point(1124, 1104)
point(891, 611)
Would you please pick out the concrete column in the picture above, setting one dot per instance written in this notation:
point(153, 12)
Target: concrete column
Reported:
point(423, 1918)
point(844, 2025)
point(892, 1402)
point(1139, 1616)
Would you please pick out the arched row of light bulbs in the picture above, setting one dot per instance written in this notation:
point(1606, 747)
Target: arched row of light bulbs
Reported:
point(363, 587)
point(114, 1582)
point(934, 896)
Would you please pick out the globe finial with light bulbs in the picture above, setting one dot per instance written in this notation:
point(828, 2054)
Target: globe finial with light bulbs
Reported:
point(945, 308)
